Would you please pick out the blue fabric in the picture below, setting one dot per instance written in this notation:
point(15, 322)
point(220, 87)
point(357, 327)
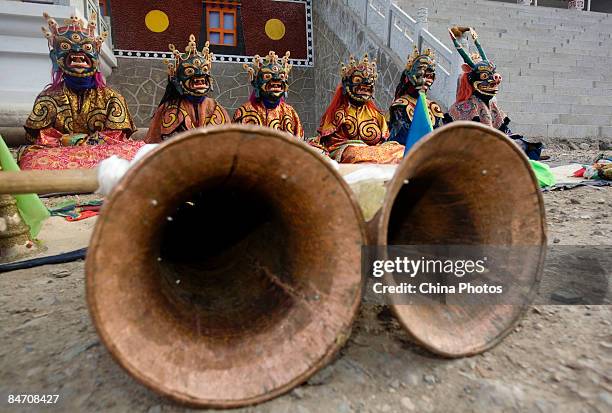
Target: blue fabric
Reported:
point(269, 104)
point(195, 99)
point(421, 123)
point(400, 125)
point(79, 83)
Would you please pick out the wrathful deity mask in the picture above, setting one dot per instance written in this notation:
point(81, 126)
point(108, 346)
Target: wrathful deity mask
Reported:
point(269, 76)
point(190, 72)
point(420, 69)
point(483, 74)
point(484, 77)
point(359, 79)
point(74, 48)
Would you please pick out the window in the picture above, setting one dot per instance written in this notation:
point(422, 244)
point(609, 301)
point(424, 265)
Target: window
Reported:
point(104, 7)
point(221, 26)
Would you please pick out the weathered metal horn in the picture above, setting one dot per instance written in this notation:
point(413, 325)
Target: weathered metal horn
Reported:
point(225, 267)
point(467, 184)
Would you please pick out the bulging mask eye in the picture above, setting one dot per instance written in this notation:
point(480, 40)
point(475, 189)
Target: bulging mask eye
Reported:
point(65, 46)
point(283, 76)
point(267, 76)
point(484, 76)
point(189, 71)
point(88, 47)
point(357, 79)
point(75, 37)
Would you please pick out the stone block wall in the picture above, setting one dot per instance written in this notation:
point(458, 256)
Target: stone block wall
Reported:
point(143, 82)
point(333, 46)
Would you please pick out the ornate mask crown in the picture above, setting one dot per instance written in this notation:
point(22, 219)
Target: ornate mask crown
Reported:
point(74, 47)
point(427, 54)
point(272, 62)
point(190, 72)
point(358, 79)
point(269, 75)
point(202, 60)
point(420, 69)
point(364, 66)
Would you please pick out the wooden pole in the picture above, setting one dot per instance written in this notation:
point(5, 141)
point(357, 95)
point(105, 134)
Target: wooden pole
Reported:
point(45, 182)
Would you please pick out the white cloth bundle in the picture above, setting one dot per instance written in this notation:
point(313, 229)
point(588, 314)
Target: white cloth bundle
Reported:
point(111, 170)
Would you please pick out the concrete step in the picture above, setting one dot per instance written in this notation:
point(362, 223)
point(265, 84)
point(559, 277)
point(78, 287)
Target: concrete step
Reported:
point(567, 107)
point(560, 131)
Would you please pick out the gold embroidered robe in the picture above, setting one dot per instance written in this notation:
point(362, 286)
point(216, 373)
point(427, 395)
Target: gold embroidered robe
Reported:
point(172, 117)
point(283, 117)
point(358, 134)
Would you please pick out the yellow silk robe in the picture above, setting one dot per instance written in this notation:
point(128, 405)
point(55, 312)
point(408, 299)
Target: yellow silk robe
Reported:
point(357, 134)
point(283, 117)
point(171, 118)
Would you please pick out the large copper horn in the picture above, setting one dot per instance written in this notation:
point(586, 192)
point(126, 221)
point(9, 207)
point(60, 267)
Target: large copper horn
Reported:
point(225, 267)
point(465, 184)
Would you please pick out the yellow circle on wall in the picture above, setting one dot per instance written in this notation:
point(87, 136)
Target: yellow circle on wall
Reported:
point(157, 21)
point(275, 29)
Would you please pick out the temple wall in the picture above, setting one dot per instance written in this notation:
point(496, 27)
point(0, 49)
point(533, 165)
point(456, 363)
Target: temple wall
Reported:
point(143, 82)
point(333, 46)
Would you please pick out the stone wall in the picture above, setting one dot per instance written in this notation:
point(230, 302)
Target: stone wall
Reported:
point(334, 46)
point(143, 81)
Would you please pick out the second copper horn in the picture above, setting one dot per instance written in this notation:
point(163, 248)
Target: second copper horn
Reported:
point(465, 185)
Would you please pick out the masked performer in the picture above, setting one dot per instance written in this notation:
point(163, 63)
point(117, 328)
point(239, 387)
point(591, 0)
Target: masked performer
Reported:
point(477, 90)
point(185, 104)
point(353, 130)
point(267, 107)
point(418, 76)
point(76, 121)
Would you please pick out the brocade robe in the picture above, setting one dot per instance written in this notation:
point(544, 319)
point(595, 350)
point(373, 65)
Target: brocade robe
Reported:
point(283, 117)
point(69, 129)
point(402, 111)
point(475, 108)
point(358, 134)
point(172, 117)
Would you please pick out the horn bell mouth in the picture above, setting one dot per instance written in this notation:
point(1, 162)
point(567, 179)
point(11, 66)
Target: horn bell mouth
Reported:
point(225, 269)
point(467, 185)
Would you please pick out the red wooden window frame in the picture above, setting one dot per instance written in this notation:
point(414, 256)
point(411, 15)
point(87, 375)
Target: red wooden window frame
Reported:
point(221, 30)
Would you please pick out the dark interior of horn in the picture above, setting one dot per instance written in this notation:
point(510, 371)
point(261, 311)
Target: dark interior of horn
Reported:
point(223, 263)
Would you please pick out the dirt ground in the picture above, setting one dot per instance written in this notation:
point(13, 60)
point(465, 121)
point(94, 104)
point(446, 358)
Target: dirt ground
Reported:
point(558, 359)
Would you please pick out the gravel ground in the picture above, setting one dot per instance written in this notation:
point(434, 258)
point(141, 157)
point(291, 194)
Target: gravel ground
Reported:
point(558, 359)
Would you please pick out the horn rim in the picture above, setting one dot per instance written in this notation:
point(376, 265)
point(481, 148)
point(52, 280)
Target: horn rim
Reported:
point(382, 224)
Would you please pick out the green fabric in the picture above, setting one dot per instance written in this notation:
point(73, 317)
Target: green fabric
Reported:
point(543, 173)
point(30, 207)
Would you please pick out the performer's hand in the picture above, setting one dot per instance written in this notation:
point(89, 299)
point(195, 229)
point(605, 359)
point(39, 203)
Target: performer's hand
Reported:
point(457, 31)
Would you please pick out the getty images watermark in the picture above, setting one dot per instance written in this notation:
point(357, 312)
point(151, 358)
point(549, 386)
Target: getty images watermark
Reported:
point(423, 267)
point(488, 275)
